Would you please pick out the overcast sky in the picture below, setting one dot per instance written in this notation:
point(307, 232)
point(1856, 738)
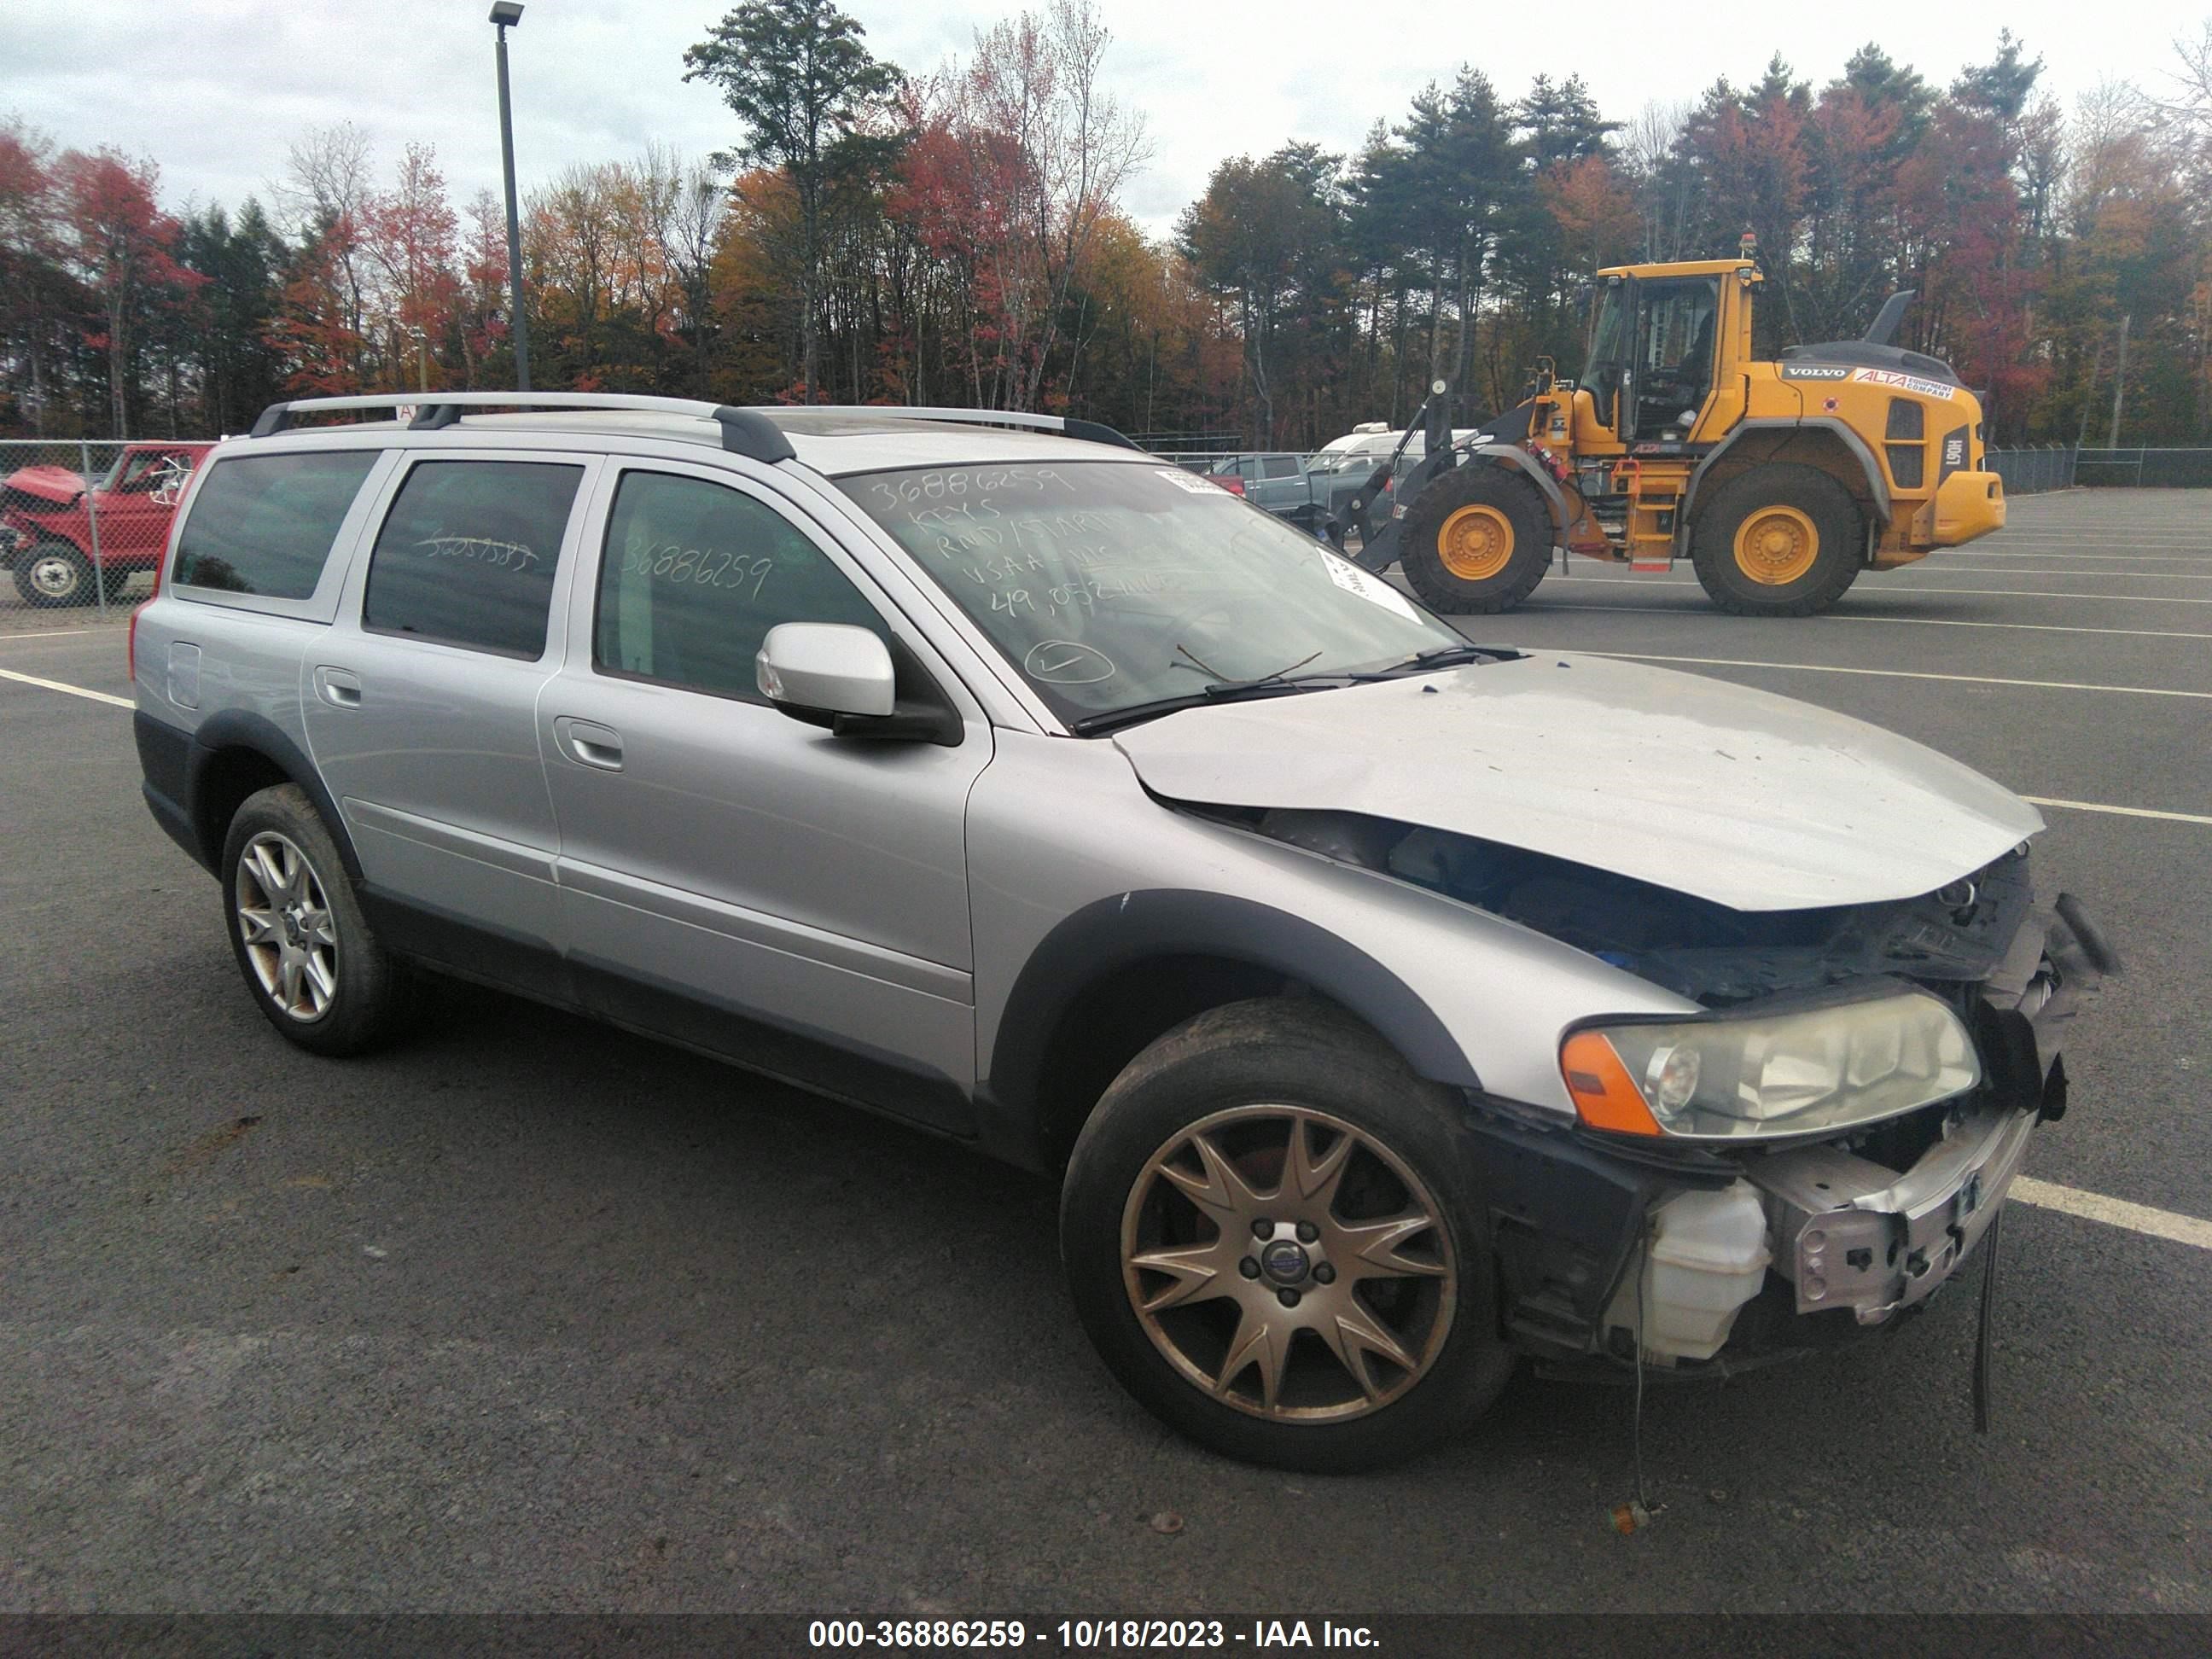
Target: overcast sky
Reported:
point(215, 90)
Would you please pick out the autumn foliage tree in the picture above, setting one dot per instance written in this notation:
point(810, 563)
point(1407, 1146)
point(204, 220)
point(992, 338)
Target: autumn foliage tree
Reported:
point(124, 246)
point(966, 235)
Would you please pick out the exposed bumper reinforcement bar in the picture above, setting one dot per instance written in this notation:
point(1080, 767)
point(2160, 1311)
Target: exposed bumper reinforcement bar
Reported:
point(1848, 1233)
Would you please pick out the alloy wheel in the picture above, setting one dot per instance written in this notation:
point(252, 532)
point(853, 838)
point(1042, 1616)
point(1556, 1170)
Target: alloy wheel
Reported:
point(1288, 1263)
point(285, 923)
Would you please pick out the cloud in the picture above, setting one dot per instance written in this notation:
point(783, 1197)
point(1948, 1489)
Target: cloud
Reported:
point(217, 89)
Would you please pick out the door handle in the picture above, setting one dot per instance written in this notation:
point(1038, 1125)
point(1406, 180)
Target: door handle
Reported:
point(339, 687)
point(589, 743)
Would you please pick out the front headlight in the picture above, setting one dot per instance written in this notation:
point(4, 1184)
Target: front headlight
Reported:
point(1810, 1069)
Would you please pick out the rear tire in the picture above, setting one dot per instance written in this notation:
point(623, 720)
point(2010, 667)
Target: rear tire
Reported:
point(309, 958)
point(1296, 1112)
point(1782, 540)
point(1477, 539)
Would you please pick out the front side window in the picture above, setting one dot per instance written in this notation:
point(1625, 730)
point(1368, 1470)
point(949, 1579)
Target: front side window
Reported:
point(1608, 334)
point(1113, 584)
point(466, 555)
point(693, 576)
point(265, 524)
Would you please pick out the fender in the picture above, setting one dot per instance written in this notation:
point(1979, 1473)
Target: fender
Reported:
point(1379, 552)
point(1853, 444)
point(1112, 934)
point(1543, 481)
point(241, 728)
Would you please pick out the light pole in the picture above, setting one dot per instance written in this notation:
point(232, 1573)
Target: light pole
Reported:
point(505, 14)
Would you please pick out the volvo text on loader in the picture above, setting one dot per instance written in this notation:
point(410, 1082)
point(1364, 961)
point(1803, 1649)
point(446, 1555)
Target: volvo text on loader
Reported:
point(1779, 481)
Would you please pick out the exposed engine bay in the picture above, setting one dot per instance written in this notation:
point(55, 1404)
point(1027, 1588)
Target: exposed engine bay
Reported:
point(1705, 951)
point(1864, 1225)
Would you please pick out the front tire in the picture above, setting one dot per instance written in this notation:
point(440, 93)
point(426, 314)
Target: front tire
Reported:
point(1477, 539)
point(1361, 1326)
point(311, 962)
point(1780, 541)
point(53, 575)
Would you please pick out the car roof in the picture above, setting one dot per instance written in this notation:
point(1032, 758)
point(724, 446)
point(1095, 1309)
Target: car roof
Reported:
point(834, 441)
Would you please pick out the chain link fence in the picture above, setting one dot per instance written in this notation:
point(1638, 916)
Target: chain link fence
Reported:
point(84, 522)
point(2147, 468)
point(2031, 471)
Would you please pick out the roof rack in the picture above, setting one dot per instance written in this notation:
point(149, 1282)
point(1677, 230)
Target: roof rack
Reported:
point(754, 433)
point(744, 431)
point(1097, 432)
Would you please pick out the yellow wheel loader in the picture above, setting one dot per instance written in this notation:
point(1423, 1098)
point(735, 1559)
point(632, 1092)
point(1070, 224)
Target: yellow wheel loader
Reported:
point(1779, 481)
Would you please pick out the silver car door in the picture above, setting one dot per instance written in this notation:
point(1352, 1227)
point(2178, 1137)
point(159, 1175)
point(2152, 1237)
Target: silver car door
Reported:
point(422, 707)
point(730, 877)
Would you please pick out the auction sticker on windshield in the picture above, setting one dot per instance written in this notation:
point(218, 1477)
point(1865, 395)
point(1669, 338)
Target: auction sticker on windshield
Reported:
point(1352, 580)
point(1190, 481)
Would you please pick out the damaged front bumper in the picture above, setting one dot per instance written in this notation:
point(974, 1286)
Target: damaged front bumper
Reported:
point(1850, 1233)
point(1605, 1250)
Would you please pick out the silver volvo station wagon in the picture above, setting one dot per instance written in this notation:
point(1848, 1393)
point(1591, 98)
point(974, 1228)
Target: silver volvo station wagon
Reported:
point(1391, 1007)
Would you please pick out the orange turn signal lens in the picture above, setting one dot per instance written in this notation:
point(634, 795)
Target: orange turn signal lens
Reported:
point(1604, 1094)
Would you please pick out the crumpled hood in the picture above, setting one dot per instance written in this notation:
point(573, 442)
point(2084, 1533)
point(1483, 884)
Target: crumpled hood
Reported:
point(1748, 799)
point(57, 484)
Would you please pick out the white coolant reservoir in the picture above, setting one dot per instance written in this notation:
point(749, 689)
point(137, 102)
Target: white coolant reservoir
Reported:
point(1707, 1257)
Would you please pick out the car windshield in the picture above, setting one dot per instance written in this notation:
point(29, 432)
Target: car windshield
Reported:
point(1112, 584)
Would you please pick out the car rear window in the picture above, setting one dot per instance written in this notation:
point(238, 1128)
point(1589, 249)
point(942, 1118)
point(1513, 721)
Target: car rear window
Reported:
point(467, 553)
point(265, 524)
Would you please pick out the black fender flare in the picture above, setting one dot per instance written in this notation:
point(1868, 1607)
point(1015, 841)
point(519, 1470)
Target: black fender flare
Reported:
point(1110, 935)
point(1854, 446)
point(241, 728)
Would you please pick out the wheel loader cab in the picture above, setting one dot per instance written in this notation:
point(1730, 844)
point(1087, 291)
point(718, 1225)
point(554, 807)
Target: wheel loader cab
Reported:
point(1662, 338)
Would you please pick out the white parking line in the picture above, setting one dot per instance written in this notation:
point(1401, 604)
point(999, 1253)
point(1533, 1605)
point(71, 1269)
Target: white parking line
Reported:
point(2031, 570)
point(2122, 811)
point(1890, 673)
point(1995, 592)
point(1922, 622)
point(1948, 553)
point(2114, 1211)
point(74, 690)
point(43, 634)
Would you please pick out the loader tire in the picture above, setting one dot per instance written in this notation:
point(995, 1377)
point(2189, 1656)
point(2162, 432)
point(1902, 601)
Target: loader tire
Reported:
point(1476, 539)
point(1780, 541)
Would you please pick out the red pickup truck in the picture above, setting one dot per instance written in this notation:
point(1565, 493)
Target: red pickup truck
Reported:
point(65, 541)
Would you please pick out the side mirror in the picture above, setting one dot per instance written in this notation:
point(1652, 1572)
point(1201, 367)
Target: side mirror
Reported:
point(826, 668)
point(847, 680)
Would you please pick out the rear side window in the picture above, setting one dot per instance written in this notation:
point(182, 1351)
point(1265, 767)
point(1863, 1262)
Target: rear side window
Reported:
point(693, 576)
point(1282, 467)
point(263, 524)
point(466, 554)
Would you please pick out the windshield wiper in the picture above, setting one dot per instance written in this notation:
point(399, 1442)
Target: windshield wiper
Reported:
point(1442, 656)
point(1270, 685)
point(1221, 686)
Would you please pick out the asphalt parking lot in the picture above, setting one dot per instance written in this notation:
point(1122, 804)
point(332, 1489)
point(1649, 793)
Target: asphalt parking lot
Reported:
point(530, 1315)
